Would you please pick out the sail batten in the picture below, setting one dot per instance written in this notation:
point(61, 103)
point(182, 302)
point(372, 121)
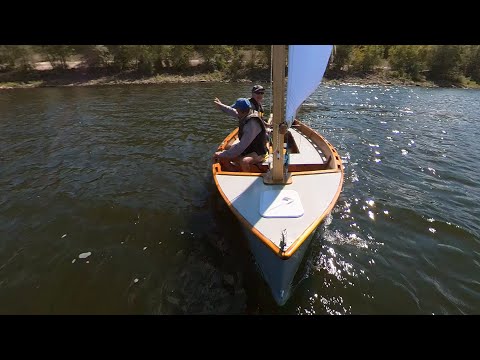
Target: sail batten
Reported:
point(306, 67)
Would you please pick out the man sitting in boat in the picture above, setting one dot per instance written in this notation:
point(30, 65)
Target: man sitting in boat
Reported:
point(258, 91)
point(251, 149)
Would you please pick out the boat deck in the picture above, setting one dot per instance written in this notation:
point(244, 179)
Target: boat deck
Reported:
point(308, 157)
point(316, 196)
point(309, 153)
point(315, 186)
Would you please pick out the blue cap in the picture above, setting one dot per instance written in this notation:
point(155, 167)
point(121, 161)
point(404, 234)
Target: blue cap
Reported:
point(242, 104)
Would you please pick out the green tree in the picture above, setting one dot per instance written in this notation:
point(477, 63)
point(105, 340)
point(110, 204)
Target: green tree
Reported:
point(215, 57)
point(144, 57)
point(407, 60)
point(180, 56)
point(445, 63)
point(58, 55)
point(161, 55)
point(365, 58)
point(236, 65)
point(472, 68)
point(341, 58)
point(265, 55)
point(97, 56)
point(123, 56)
point(15, 56)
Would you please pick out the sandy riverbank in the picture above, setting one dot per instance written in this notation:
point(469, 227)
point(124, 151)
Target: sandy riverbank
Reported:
point(162, 79)
point(79, 77)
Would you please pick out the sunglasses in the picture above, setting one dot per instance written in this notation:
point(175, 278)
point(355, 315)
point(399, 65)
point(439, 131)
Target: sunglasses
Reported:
point(260, 93)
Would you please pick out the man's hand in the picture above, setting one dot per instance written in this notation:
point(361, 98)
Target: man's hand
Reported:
point(218, 103)
point(216, 155)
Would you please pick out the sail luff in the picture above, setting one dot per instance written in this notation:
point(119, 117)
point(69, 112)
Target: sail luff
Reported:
point(306, 67)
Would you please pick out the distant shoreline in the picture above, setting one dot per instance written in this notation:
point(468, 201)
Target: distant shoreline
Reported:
point(37, 79)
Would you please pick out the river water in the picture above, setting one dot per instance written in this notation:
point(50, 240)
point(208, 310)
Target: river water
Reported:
point(107, 204)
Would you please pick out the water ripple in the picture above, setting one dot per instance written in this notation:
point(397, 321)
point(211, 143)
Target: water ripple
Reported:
point(122, 173)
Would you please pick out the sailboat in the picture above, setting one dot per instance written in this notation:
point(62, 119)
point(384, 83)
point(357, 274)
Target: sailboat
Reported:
point(282, 204)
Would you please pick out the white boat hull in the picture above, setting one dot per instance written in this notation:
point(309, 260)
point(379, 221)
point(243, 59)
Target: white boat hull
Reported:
point(280, 219)
point(278, 273)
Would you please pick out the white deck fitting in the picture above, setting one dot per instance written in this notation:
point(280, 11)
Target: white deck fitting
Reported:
point(280, 203)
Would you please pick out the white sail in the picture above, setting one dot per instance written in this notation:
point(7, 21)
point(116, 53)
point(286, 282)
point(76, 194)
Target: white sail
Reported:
point(306, 66)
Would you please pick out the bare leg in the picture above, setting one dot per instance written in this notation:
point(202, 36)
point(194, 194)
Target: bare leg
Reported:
point(250, 160)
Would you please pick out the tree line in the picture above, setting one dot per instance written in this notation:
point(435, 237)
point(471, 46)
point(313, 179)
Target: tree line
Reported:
point(454, 64)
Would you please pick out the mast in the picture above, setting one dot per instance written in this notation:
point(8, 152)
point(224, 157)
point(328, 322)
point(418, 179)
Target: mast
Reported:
point(276, 174)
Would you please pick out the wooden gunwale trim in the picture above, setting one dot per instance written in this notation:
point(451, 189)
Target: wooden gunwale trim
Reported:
point(244, 221)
